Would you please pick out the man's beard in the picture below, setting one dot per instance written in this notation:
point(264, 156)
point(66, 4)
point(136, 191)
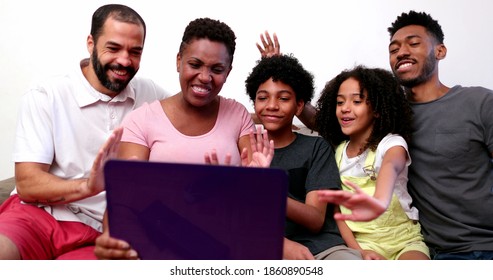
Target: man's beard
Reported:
point(100, 69)
point(426, 73)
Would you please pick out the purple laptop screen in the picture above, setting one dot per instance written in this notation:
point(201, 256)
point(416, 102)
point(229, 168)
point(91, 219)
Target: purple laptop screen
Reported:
point(199, 212)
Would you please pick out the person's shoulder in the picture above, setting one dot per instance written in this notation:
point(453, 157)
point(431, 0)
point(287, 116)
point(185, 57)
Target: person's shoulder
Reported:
point(471, 98)
point(392, 137)
point(229, 101)
point(144, 112)
point(307, 137)
point(231, 104)
point(311, 140)
point(55, 80)
point(143, 85)
point(302, 129)
point(139, 80)
point(391, 140)
point(55, 86)
point(70, 78)
point(480, 90)
point(148, 106)
point(472, 88)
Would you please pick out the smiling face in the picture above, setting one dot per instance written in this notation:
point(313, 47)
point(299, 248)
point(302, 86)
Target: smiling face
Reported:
point(203, 66)
point(353, 111)
point(414, 55)
point(115, 57)
point(276, 105)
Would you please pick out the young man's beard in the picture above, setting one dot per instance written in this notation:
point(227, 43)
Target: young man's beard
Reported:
point(426, 73)
point(100, 70)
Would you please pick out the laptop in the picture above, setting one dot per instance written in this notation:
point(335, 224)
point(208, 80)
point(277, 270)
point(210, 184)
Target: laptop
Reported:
point(179, 211)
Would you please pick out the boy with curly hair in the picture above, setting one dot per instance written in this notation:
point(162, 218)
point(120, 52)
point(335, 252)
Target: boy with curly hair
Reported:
point(279, 87)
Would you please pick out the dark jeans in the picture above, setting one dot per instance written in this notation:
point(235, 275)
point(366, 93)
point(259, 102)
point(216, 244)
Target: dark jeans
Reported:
point(473, 255)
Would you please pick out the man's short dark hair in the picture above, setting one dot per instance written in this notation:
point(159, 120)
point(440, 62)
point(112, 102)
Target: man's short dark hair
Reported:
point(118, 12)
point(415, 18)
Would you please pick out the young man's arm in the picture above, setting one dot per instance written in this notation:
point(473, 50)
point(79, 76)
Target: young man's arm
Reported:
point(310, 214)
point(308, 116)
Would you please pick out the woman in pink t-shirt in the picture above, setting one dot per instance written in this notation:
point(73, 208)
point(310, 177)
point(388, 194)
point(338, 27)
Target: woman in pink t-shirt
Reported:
point(185, 126)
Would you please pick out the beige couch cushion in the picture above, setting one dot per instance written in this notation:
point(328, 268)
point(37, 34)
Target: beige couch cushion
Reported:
point(6, 187)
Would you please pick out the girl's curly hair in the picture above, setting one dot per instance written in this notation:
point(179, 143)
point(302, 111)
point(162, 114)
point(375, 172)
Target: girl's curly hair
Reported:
point(385, 96)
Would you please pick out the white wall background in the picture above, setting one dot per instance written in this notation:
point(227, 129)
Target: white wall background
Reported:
point(43, 38)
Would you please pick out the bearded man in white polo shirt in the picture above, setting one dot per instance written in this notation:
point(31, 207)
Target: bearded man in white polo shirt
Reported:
point(56, 210)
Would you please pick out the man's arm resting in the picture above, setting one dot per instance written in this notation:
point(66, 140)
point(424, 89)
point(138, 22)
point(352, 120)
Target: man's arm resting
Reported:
point(34, 183)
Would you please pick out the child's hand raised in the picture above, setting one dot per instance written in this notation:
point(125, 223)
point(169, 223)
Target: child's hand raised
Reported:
point(269, 47)
point(262, 150)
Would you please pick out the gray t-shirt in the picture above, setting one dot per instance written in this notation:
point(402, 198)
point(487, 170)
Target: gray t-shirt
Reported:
point(451, 177)
point(311, 165)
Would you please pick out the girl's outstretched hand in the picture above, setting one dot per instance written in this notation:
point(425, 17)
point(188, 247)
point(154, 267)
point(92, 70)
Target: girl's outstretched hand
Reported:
point(363, 207)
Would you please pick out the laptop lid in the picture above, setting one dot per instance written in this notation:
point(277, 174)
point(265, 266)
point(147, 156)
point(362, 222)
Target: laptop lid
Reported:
point(201, 212)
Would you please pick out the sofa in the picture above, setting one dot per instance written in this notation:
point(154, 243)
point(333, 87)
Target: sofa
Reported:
point(6, 187)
